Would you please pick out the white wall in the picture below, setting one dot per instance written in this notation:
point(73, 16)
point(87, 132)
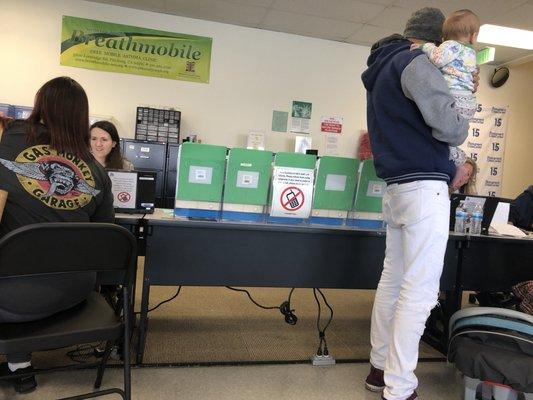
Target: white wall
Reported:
point(253, 72)
point(518, 94)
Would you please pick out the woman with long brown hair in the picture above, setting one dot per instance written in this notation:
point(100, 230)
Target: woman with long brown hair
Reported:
point(105, 146)
point(4, 121)
point(48, 171)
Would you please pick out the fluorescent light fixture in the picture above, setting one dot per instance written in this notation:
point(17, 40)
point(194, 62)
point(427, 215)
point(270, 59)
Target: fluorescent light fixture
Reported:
point(504, 36)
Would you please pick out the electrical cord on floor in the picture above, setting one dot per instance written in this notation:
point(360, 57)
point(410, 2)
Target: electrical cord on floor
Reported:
point(163, 302)
point(323, 345)
point(284, 308)
point(82, 353)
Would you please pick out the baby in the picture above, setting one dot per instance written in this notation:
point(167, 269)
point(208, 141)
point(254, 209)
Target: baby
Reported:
point(456, 59)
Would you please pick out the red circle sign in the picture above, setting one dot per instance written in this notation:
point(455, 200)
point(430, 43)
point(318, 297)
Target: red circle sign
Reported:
point(292, 198)
point(123, 197)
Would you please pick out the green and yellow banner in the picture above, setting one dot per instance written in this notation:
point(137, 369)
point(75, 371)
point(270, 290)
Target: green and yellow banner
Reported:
point(104, 46)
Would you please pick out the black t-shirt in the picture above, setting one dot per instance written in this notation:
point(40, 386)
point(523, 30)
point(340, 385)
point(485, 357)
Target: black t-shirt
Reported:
point(44, 186)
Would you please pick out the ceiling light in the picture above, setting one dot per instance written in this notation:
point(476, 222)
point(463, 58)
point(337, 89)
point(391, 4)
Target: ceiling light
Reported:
point(504, 36)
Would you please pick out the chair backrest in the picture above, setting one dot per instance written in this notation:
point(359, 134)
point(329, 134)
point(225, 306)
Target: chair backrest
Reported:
point(66, 247)
point(491, 316)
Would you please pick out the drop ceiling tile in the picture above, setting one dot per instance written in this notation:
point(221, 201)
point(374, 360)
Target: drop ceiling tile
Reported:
point(520, 17)
point(414, 4)
point(484, 8)
point(383, 2)
point(368, 35)
point(147, 5)
point(218, 10)
point(308, 25)
point(259, 3)
point(346, 10)
point(393, 18)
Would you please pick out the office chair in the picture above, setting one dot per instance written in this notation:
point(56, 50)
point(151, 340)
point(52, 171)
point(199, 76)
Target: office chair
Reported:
point(63, 248)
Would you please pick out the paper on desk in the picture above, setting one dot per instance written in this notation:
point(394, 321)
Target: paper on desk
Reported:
point(507, 229)
point(501, 215)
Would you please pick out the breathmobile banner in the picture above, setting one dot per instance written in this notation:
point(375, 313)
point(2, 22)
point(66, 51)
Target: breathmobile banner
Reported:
point(292, 192)
point(486, 146)
point(104, 46)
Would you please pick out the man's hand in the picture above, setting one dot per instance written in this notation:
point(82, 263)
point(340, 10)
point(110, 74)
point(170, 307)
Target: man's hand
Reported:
point(415, 46)
point(475, 78)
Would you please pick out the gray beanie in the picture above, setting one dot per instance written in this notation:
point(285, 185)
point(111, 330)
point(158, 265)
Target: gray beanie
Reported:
point(425, 24)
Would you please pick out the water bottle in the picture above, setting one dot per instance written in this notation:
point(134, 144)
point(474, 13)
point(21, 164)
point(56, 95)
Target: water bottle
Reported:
point(460, 218)
point(477, 217)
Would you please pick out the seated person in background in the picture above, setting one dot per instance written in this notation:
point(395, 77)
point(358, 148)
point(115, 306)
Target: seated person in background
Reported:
point(49, 151)
point(464, 180)
point(456, 59)
point(4, 121)
point(521, 213)
point(105, 148)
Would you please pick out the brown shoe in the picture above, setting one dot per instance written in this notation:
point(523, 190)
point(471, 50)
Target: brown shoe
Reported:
point(414, 396)
point(374, 381)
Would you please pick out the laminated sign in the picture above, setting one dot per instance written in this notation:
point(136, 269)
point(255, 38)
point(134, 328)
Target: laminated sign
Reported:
point(292, 192)
point(104, 46)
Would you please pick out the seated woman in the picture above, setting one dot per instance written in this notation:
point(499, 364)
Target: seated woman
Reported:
point(4, 121)
point(50, 175)
point(464, 180)
point(104, 146)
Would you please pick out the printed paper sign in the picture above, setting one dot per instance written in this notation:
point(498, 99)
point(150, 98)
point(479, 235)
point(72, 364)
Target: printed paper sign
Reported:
point(256, 141)
point(124, 189)
point(301, 117)
point(279, 121)
point(292, 192)
point(247, 179)
point(376, 188)
point(302, 144)
point(336, 182)
point(331, 124)
point(332, 144)
point(201, 175)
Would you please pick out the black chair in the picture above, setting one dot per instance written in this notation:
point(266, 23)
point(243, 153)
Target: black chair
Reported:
point(63, 248)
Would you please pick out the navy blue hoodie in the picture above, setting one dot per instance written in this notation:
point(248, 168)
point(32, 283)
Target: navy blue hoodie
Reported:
point(410, 114)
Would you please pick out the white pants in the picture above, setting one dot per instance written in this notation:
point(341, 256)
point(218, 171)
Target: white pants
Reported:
point(417, 214)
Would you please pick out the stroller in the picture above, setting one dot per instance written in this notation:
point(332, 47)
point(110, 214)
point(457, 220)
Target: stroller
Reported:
point(493, 348)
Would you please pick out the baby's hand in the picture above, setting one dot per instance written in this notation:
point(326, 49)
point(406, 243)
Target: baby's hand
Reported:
point(415, 46)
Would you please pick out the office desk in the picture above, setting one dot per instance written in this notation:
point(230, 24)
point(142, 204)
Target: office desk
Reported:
point(201, 253)
point(495, 263)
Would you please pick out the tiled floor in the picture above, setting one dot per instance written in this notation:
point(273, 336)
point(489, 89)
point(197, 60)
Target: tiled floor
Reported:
point(438, 381)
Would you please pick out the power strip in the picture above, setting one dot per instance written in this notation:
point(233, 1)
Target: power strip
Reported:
point(322, 360)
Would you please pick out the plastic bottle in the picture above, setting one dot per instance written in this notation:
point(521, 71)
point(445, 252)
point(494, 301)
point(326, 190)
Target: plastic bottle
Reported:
point(477, 217)
point(460, 218)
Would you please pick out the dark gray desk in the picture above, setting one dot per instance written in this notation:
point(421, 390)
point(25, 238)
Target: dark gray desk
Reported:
point(495, 263)
point(198, 253)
